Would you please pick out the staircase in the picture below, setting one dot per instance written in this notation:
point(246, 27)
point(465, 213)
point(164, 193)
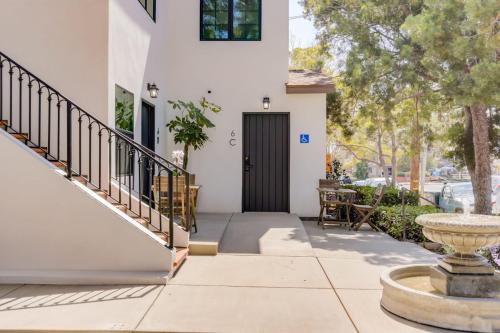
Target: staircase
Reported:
point(118, 170)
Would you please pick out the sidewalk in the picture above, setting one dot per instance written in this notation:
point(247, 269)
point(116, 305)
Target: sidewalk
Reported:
point(275, 275)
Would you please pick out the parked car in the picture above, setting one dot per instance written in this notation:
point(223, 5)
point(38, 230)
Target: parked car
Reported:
point(374, 182)
point(457, 197)
point(454, 197)
point(495, 184)
point(360, 182)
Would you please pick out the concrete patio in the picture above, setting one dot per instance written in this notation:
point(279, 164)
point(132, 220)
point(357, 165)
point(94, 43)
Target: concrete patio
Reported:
point(274, 274)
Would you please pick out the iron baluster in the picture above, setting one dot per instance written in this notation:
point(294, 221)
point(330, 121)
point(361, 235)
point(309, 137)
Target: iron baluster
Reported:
point(69, 141)
point(39, 116)
point(1, 88)
point(109, 164)
point(79, 144)
point(59, 130)
point(90, 152)
point(20, 102)
point(100, 163)
point(30, 88)
point(11, 72)
point(130, 164)
point(171, 209)
point(49, 121)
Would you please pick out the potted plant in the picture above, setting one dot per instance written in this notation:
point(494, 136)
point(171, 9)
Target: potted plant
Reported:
point(189, 127)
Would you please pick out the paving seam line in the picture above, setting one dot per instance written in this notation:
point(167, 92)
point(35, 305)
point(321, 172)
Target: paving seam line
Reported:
point(233, 286)
point(338, 296)
point(148, 309)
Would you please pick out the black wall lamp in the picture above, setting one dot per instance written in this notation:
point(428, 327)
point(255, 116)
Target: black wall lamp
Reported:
point(266, 103)
point(153, 90)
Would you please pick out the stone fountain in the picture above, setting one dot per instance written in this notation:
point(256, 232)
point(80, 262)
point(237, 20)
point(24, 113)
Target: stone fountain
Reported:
point(463, 290)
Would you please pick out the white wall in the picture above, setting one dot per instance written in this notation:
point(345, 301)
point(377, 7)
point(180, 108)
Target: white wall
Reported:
point(64, 43)
point(137, 51)
point(53, 231)
point(239, 75)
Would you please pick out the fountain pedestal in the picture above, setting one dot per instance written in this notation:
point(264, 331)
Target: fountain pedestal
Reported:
point(463, 273)
point(462, 291)
point(465, 285)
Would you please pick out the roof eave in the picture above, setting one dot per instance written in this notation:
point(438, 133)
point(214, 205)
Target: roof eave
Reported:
point(310, 89)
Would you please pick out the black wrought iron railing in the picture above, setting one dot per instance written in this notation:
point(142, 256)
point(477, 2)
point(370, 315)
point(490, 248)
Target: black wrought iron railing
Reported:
point(128, 174)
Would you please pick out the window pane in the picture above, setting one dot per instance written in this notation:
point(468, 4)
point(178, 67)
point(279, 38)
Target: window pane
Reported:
point(209, 32)
point(246, 19)
point(222, 4)
point(222, 18)
point(208, 5)
point(252, 18)
point(209, 18)
point(222, 31)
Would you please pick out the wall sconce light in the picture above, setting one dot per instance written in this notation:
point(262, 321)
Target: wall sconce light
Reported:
point(266, 103)
point(153, 90)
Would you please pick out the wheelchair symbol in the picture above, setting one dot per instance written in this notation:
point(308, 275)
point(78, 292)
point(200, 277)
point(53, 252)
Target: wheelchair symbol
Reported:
point(304, 138)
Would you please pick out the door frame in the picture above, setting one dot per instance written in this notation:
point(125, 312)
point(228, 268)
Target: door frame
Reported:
point(243, 188)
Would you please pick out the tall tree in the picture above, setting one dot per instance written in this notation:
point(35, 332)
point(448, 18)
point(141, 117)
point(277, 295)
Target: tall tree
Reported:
point(382, 64)
point(460, 45)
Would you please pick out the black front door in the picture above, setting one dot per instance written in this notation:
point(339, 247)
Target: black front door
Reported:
point(147, 140)
point(266, 159)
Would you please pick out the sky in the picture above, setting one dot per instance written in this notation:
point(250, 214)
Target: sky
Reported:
point(302, 31)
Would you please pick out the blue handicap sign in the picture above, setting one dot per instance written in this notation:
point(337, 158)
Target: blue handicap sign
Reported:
point(304, 138)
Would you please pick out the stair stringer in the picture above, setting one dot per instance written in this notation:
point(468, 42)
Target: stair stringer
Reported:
point(53, 231)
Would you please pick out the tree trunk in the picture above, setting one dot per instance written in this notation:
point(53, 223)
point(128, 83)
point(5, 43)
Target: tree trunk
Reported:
point(480, 130)
point(415, 148)
point(469, 147)
point(381, 157)
point(185, 160)
point(394, 159)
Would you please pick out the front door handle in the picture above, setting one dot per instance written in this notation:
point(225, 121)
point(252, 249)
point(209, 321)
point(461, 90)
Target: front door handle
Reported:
point(248, 165)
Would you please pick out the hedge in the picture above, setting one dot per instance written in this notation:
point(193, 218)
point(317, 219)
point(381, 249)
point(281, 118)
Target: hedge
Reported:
point(391, 196)
point(390, 221)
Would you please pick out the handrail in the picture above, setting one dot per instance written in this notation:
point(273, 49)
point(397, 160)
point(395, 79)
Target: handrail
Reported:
point(123, 152)
point(140, 147)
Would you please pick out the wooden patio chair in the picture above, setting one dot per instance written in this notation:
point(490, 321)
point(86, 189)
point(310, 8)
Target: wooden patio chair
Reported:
point(160, 195)
point(327, 201)
point(365, 211)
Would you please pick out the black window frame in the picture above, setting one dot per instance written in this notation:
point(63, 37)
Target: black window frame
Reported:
point(230, 37)
point(145, 6)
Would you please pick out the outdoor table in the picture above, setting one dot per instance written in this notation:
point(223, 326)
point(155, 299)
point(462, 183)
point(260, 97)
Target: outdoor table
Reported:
point(345, 197)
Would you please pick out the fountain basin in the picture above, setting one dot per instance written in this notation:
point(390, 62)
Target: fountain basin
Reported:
point(408, 293)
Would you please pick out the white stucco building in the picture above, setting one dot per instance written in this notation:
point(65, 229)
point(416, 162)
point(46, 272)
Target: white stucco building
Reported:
point(232, 52)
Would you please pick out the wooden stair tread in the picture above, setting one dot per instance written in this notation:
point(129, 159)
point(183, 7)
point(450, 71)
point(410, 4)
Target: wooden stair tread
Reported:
point(181, 254)
point(20, 136)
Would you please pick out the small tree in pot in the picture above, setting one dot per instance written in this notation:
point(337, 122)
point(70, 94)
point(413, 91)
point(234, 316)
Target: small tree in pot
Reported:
point(188, 128)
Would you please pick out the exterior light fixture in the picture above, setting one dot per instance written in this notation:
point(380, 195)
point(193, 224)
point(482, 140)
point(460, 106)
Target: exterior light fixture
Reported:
point(266, 103)
point(153, 90)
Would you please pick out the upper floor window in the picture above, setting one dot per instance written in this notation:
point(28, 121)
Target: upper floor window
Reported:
point(231, 20)
point(150, 7)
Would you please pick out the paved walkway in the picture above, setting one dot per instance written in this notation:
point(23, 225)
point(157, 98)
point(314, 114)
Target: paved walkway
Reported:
point(275, 274)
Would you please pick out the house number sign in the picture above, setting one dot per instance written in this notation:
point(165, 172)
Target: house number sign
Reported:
point(232, 141)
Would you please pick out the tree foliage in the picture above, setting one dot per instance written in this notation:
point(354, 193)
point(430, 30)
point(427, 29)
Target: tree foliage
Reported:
point(189, 127)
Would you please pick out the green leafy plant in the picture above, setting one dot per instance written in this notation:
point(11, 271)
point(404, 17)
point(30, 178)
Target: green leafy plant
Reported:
point(389, 219)
point(391, 196)
point(188, 128)
point(124, 115)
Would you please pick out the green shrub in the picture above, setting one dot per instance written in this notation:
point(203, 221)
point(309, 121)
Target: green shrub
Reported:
point(391, 196)
point(389, 219)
